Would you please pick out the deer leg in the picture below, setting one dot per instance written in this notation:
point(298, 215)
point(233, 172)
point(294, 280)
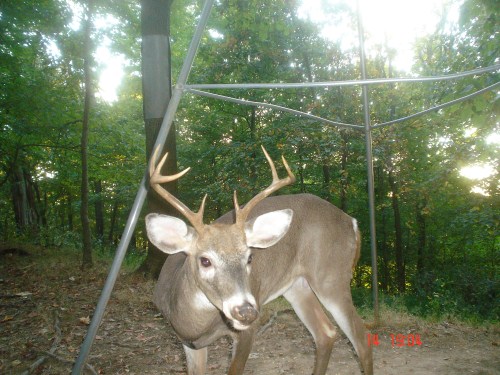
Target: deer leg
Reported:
point(309, 310)
point(344, 313)
point(196, 360)
point(242, 345)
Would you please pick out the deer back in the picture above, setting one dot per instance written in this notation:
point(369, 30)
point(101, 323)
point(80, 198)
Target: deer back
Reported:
point(321, 241)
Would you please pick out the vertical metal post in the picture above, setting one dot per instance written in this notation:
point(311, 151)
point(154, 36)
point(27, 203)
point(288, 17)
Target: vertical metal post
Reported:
point(141, 195)
point(369, 165)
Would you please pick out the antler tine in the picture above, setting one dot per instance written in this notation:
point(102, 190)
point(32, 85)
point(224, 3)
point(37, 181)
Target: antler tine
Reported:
point(271, 164)
point(236, 204)
point(242, 213)
point(155, 179)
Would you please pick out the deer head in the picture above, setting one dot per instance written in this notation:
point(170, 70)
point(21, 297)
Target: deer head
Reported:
point(219, 256)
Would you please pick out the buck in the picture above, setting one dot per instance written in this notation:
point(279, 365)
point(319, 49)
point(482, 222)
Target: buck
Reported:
point(218, 276)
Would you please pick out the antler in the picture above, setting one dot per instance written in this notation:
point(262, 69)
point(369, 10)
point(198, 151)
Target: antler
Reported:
point(242, 213)
point(196, 219)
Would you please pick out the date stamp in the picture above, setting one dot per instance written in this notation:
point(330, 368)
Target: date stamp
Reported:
point(397, 340)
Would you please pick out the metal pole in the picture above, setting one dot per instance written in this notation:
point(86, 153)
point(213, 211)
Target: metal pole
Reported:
point(141, 196)
point(164, 130)
point(440, 106)
point(369, 166)
point(274, 106)
point(356, 82)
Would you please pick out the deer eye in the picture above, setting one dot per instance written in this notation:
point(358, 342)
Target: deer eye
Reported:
point(250, 258)
point(205, 262)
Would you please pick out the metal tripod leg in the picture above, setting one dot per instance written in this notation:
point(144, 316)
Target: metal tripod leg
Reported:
point(141, 194)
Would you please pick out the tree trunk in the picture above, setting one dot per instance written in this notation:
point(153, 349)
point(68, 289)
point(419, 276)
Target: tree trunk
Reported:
point(156, 87)
point(19, 199)
point(114, 213)
point(24, 200)
point(84, 209)
point(253, 166)
point(398, 244)
point(384, 254)
point(421, 238)
point(43, 210)
point(343, 171)
point(301, 171)
point(69, 205)
point(326, 182)
point(99, 210)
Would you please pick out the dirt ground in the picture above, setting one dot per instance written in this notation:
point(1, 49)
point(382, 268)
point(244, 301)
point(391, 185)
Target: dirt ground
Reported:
point(46, 303)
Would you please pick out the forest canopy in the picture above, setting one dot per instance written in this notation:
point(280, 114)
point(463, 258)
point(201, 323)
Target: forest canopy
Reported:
point(437, 219)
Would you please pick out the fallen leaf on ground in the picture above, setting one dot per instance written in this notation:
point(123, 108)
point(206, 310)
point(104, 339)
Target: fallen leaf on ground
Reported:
point(6, 318)
point(85, 320)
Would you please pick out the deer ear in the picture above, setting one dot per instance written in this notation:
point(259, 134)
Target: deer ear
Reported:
point(169, 234)
point(267, 229)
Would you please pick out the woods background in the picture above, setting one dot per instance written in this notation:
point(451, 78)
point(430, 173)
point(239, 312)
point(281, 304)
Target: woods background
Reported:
point(438, 231)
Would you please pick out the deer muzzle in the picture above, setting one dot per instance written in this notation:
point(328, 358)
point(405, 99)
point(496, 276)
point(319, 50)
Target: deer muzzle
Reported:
point(244, 314)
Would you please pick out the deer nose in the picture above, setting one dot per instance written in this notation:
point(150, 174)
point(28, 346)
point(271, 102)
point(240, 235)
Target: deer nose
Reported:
point(245, 313)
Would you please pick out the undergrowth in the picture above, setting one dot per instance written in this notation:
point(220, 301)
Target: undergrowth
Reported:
point(395, 308)
point(428, 308)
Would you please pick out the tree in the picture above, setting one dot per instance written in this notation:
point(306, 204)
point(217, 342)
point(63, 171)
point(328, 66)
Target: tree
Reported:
point(156, 78)
point(27, 68)
point(438, 237)
point(89, 96)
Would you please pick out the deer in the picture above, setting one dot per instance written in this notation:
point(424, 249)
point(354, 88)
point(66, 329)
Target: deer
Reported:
point(218, 276)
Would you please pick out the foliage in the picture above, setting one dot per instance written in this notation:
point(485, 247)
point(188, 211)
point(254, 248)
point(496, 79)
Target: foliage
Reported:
point(438, 241)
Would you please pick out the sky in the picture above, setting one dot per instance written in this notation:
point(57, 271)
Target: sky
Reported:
point(111, 65)
point(111, 72)
point(395, 22)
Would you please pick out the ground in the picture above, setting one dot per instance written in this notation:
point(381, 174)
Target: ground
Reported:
point(46, 302)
